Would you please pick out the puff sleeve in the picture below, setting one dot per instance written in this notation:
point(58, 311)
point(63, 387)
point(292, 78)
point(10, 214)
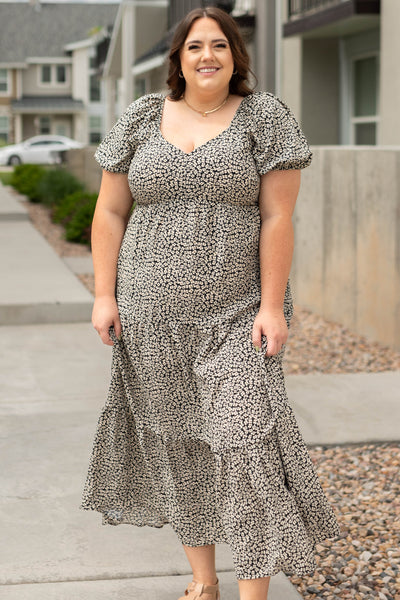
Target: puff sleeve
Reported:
point(116, 151)
point(279, 142)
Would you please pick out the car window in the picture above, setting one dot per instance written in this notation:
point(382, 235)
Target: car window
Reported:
point(41, 143)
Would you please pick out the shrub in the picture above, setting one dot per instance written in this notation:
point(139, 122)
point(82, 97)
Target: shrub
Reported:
point(26, 180)
point(65, 210)
point(56, 185)
point(78, 229)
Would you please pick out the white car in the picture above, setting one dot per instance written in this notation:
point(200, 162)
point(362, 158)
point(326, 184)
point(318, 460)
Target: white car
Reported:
point(41, 149)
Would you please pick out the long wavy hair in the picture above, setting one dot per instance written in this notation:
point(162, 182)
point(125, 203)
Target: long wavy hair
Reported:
point(239, 81)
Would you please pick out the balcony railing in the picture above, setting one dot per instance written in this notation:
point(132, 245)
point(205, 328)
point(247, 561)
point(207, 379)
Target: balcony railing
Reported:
point(298, 8)
point(179, 8)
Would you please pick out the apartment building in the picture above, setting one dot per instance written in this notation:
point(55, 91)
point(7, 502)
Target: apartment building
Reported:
point(340, 69)
point(335, 62)
point(50, 67)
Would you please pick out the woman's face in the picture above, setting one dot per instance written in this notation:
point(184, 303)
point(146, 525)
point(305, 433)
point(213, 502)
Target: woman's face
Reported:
point(206, 57)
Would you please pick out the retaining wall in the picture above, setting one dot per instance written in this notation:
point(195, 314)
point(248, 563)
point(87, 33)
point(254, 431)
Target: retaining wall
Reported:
point(347, 252)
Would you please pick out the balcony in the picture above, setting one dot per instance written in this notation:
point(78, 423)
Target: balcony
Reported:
point(307, 15)
point(298, 8)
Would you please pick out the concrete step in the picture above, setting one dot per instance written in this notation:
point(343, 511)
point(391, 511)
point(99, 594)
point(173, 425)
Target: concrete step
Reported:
point(347, 408)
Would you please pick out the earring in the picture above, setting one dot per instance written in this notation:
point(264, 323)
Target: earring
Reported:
point(234, 72)
point(181, 76)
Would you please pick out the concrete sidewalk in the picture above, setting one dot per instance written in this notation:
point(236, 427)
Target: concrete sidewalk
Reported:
point(37, 286)
point(53, 384)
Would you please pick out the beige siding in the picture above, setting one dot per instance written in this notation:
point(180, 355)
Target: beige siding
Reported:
point(31, 87)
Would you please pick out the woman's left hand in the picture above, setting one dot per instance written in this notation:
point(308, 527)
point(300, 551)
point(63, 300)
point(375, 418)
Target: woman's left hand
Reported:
point(273, 325)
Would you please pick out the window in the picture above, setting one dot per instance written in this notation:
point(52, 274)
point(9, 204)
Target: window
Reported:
point(365, 100)
point(95, 127)
point(61, 74)
point(4, 130)
point(359, 55)
point(44, 125)
point(46, 74)
point(4, 81)
point(94, 89)
point(53, 75)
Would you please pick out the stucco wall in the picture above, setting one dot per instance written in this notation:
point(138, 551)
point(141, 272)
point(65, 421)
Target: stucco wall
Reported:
point(347, 226)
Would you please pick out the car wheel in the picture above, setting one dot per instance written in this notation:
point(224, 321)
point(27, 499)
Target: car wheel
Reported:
point(14, 160)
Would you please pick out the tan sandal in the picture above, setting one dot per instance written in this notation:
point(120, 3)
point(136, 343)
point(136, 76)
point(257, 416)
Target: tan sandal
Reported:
point(200, 590)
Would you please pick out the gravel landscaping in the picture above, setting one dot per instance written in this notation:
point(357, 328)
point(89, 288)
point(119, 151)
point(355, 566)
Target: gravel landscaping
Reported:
point(361, 481)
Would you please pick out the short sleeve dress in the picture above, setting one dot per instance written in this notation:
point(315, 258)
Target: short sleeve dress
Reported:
point(196, 430)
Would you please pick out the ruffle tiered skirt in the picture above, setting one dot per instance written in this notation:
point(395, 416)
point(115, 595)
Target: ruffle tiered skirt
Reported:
point(197, 432)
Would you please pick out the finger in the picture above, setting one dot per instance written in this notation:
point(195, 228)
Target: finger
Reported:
point(105, 338)
point(256, 337)
point(117, 327)
point(273, 347)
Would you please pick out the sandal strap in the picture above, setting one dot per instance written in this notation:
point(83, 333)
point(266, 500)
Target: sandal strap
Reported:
point(201, 588)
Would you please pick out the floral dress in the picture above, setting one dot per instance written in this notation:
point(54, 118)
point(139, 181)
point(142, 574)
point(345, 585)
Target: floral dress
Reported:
point(196, 430)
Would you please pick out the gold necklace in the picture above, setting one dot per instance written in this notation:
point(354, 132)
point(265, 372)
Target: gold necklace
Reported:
point(204, 113)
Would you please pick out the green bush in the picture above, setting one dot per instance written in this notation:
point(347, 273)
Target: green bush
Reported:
point(78, 228)
point(56, 185)
point(26, 179)
point(66, 209)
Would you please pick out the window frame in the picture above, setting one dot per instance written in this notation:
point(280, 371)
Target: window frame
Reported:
point(53, 75)
point(354, 121)
point(95, 130)
point(41, 119)
point(352, 48)
point(5, 131)
point(8, 81)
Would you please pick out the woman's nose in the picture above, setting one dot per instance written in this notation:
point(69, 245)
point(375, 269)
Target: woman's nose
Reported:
point(207, 52)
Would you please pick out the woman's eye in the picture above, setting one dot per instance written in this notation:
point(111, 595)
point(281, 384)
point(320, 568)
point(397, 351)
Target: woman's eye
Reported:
point(222, 45)
point(193, 47)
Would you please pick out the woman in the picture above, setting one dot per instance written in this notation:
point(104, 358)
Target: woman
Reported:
point(196, 431)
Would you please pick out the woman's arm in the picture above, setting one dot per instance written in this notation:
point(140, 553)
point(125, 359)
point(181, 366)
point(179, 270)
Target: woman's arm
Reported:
point(278, 194)
point(108, 228)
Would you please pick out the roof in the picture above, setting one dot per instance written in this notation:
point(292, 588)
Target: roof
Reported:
point(47, 104)
point(43, 31)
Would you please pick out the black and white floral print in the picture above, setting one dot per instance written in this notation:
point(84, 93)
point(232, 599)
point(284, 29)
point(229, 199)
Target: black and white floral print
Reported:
point(197, 431)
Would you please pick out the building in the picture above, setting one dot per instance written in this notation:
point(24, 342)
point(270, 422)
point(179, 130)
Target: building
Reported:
point(340, 69)
point(335, 62)
point(49, 69)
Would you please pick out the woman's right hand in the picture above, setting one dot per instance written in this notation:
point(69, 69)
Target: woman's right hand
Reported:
point(105, 315)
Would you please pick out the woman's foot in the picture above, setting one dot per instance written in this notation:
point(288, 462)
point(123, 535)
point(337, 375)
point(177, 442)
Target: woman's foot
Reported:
point(202, 591)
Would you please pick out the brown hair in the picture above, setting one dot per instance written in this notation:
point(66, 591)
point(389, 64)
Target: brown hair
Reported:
point(239, 81)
